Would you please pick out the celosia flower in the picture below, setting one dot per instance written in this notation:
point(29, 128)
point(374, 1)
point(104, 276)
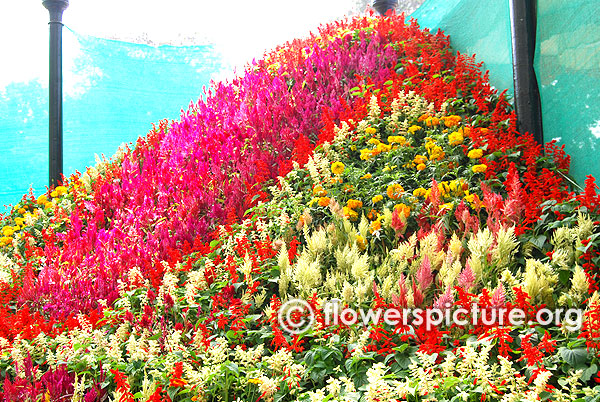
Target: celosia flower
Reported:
point(479, 168)
point(337, 168)
point(394, 191)
point(475, 153)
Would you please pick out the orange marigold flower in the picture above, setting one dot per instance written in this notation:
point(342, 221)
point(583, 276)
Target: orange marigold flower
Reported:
point(451, 121)
point(394, 191)
point(354, 204)
point(324, 201)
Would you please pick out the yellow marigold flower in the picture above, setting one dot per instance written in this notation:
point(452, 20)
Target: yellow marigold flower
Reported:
point(397, 139)
point(354, 204)
point(367, 176)
point(479, 168)
point(375, 226)
point(4, 241)
point(361, 243)
point(22, 211)
point(473, 199)
point(381, 147)
point(350, 214)
point(324, 201)
point(484, 130)
point(377, 198)
point(255, 381)
point(403, 209)
point(61, 190)
point(19, 221)
point(374, 141)
point(394, 191)
point(337, 168)
point(48, 205)
point(475, 153)
point(42, 199)
point(54, 194)
point(420, 192)
point(8, 231)
point(451, 121)
point(436, 153)
point(455, 138)
point(319, 191)
point(370, 130)
point(365, 154)
point(421, 166)
point(413, 129)
point(420, 159)
point(444, 188)
point(424, 117)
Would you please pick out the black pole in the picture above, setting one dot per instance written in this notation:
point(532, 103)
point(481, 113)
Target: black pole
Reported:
point(56, 9)
point(383, 6)
point(523, 17)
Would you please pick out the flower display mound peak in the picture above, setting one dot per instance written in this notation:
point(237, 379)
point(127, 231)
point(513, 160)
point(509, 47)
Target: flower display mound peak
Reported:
point(355, 218)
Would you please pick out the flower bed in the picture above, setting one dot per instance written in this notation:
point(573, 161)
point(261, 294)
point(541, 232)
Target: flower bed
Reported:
point(369, 166)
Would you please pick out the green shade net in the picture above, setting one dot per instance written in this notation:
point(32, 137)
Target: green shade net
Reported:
point(568, 69)
point(475, 27)
point(113, 92)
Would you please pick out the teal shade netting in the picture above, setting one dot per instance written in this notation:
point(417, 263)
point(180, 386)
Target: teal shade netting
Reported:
point(568, 70)
point(113, 92)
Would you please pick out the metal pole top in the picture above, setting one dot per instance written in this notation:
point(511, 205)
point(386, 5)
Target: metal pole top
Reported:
point(56, 8)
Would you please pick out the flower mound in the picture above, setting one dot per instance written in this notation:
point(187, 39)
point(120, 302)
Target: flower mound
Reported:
point(369, 164)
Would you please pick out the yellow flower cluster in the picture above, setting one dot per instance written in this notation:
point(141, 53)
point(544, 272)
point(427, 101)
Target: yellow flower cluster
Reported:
point(370, 130)
point(394, 191)
point(430, 121)
point(350, 209)
point(479, 168)
point(475, 153)
point(397, 139)
point(414, 128)
point(451, 121)
point(435, 151)
point(455, 138)
point(377, 198)
point(337, 168)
